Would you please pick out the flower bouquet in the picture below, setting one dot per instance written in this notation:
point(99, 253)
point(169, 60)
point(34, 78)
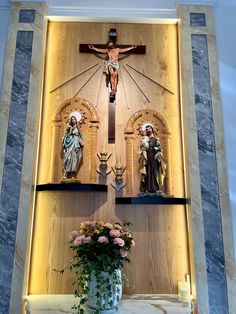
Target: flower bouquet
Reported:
point(101, 249)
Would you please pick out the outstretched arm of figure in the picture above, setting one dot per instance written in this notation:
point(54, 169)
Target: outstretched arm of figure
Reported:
point(128, 48)
point(97, 49)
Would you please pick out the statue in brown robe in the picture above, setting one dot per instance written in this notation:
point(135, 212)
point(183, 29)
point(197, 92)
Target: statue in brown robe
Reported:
point(152, 164)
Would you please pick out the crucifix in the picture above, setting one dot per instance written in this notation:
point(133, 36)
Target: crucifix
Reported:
point(112, 65)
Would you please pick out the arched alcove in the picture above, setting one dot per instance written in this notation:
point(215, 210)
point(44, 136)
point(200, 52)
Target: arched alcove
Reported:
point(89, 127)
point(132, 137)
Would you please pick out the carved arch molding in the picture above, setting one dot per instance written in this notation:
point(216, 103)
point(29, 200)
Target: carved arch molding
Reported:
point(132, 138)
point(89, 128)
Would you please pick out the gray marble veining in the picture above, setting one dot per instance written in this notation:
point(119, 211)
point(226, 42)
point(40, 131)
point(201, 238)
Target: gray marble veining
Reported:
point(27, 16)
point(215, 260)
point(197, 19)
point(10, 190)
point(136, 304)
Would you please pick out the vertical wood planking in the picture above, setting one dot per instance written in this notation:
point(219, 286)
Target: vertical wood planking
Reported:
point(160, 258)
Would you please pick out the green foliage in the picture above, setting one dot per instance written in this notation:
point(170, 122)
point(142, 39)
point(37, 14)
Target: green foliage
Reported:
point(98, 247)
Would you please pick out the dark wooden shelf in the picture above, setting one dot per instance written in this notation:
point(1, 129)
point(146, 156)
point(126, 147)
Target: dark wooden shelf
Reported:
point(142, 200)
point(88, 187)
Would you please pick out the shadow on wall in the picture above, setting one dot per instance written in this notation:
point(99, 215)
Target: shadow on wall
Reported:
point(228, 99)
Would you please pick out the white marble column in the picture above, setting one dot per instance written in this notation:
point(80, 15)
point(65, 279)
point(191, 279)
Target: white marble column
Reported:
point(19, 126)
point(210, 210)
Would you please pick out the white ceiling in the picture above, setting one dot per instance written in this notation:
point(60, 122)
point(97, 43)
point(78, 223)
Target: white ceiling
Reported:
point(155, 4)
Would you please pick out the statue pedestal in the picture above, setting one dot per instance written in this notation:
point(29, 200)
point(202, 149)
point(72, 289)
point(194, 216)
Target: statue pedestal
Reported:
point(153, 199)
point(72, 186)
point(69, 181)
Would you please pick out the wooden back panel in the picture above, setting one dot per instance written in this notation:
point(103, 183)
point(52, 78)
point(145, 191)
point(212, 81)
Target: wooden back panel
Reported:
point(161, 257)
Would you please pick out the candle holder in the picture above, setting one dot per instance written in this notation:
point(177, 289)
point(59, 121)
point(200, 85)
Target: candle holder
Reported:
point(184, 289)
point(103, 168)
point(103, 157)
point(118, 170)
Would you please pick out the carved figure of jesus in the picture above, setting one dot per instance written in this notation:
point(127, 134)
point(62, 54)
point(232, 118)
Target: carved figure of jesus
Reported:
point(152, 164)
point(112, 64)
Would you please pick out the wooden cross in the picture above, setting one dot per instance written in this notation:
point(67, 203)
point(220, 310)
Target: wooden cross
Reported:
point(84, 48)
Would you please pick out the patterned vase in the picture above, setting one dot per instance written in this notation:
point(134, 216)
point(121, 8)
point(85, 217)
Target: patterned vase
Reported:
point(110, 293)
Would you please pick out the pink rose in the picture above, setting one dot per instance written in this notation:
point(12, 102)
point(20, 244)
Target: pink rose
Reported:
point(87, 240)
point(114, 233)
point(103, 239)
point(79, 240)
point(123, 253)
point(133, 243)
point(119, 241)
point(73, 235)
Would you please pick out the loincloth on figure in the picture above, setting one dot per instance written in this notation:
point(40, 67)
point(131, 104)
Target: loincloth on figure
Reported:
point(114, 64)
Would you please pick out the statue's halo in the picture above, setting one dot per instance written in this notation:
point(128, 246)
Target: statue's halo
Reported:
point(76, 114)
point(143, 127)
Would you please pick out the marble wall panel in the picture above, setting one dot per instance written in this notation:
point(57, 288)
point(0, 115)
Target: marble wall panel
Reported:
point(27, 16)
point(205, 143)
point(10, 191)
point(214, 247)
point(18, 125)
point(197, 19)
